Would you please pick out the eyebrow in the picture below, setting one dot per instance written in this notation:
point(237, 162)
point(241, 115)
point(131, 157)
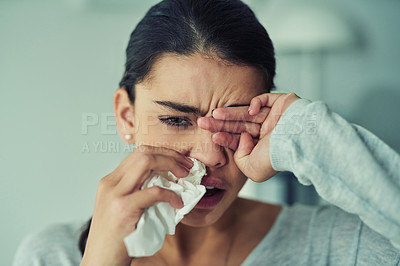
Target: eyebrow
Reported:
point(180, 107)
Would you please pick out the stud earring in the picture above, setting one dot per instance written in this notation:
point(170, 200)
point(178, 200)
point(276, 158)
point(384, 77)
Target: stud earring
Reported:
point(128, 136)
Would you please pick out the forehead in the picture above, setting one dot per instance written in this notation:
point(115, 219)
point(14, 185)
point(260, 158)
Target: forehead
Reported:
point(201, 81)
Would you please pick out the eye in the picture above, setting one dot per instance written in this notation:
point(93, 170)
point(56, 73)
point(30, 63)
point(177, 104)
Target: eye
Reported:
point(176, 121)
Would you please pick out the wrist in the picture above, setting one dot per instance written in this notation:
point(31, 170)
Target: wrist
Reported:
point(90, 259)
point(289, 99)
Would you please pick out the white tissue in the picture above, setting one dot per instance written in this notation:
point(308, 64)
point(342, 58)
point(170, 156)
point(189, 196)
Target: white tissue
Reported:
point(161, 219)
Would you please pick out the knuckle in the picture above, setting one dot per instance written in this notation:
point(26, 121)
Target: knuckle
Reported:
point(161, 194)
point(118, 205)
point(156, 191)
point(252, 128)
point(104, 184)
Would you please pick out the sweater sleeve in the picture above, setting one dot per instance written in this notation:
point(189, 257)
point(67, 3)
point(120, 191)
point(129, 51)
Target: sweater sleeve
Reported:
point(53, 245)
point(348, 166)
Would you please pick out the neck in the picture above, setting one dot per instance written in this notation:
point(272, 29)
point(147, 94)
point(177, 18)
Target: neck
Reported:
point(189, 240)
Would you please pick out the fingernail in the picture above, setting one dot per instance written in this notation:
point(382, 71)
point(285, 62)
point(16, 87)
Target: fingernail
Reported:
point(187, 169)
point(189, 160)
point(189, 166)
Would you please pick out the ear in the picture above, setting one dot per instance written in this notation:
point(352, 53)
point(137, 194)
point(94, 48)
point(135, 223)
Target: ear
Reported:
point(124, 115)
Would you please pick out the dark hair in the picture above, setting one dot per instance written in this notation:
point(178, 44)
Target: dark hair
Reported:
point(224, 28)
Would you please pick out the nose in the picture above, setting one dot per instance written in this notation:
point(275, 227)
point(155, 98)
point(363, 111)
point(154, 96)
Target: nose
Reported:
point(206, 151)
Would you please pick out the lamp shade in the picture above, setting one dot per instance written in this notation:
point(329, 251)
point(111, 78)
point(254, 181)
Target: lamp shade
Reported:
point(307, 26)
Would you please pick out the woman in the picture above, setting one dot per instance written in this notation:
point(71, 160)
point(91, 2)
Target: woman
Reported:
point(196, 84)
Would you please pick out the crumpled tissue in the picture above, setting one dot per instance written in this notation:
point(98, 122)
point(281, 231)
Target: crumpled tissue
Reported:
point(161, 219)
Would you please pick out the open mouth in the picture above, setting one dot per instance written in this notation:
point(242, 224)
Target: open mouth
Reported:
point(213, 195)
point(211, 191)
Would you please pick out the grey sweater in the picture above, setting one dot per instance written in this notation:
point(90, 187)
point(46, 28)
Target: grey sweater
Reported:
point(350, 168)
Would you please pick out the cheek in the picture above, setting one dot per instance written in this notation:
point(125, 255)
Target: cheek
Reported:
point(143, 127)
point(239, 181)
point(234, 175)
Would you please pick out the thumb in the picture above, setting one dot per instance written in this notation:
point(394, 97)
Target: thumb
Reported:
point(243, 151)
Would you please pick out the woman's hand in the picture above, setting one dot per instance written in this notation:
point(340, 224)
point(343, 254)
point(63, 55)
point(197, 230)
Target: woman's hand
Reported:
point(120, 202)
point(246, 130)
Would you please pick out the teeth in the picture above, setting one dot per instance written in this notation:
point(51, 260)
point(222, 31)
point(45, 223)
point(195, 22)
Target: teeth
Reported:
point(209, 187)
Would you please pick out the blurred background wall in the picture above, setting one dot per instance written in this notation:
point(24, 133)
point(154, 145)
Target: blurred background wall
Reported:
point(61, 61)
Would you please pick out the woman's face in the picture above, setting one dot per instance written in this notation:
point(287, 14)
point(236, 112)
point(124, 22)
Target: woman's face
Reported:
point(179, 90)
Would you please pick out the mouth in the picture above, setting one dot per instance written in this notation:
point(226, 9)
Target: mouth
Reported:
point(215, 191)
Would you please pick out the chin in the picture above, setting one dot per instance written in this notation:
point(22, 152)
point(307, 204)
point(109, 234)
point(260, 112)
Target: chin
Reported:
point(201, 217)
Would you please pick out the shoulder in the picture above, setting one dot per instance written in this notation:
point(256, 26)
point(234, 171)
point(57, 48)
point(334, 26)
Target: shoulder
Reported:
point(321, 235)
point(329, 223)
point(346, 238)
point(53, 245)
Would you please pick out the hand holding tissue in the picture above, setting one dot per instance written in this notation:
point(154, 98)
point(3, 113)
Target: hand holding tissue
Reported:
point(161, 219)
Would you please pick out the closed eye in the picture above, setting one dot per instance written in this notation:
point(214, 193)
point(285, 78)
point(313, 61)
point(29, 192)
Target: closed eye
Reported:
point(176, 121)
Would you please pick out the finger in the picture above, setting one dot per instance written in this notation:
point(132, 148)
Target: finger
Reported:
point(215, 125)
point(167, 151)
point(255, 106)
point(131, 160)
point(240, 113)
point(269, 125)
point(263, 100)
point(226, 139)
point(148, 197)
point(243, 151)
point(144, 164)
